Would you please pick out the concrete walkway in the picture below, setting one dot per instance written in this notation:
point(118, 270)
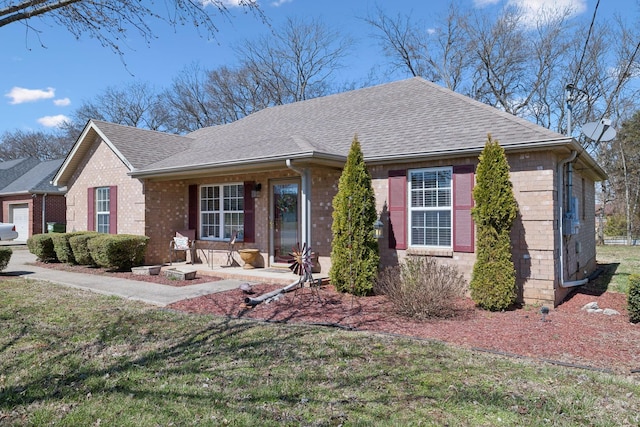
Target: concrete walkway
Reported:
point(151, 293)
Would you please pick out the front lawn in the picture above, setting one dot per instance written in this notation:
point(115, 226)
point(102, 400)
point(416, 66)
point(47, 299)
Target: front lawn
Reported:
point(72, 358)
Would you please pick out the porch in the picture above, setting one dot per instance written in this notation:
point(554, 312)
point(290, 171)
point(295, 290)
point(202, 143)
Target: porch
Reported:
point(276, 276)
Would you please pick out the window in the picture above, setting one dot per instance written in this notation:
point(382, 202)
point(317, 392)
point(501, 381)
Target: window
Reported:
point(430, 207)
point(103, 211)
point(221, 211)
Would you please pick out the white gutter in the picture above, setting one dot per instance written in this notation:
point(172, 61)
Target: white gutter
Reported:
point(561, 164)
point(44, 210)
point(305, 202)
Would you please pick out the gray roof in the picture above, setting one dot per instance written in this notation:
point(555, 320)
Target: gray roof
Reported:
point(142, 147)
point(406, 120)
point(11, 170)
point(36, 179)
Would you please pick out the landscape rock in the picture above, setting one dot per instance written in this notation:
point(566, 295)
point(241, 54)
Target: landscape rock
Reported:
point(591, 306)
point(611, 312)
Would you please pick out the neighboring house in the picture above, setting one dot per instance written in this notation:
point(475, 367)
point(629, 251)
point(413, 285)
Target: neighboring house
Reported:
point(28, 198)
point(272, 176)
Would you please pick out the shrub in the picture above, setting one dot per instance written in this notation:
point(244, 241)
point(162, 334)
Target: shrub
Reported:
point(633, 298)
point(118, 251)
point(79, 247)
point(41, 246)
point(493, 284)
point(62, 246)
point(422, 288)
point(354, 250)
point(5, 256)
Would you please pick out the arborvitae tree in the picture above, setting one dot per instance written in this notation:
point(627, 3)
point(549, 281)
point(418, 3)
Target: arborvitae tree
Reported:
point(493, 284)
point(354, 252)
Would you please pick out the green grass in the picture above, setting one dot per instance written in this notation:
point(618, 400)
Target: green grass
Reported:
point(617, 263)
point(73, 358)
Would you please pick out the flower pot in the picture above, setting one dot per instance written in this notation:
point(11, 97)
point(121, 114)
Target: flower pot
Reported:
point(249, 256)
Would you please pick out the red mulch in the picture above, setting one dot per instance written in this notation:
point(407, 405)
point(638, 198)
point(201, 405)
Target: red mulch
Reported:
point(568, 335)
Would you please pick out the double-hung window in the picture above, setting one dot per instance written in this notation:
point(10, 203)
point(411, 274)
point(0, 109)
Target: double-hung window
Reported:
point(103, 211)
point(430, 207)
point(221, 211)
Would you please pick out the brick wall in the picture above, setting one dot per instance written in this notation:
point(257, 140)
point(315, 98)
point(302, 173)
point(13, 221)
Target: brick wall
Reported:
point(55, 209)
point(100, 168)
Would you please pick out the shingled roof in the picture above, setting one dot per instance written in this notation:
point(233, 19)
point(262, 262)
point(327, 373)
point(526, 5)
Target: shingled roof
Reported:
point(404, 119)
point(35, 179)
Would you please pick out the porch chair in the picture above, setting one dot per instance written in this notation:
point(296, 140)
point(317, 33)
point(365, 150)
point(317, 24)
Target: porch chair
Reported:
point(231, 262)
point(183, 241)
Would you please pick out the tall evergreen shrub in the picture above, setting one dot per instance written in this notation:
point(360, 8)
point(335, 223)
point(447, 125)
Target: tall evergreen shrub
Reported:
point(633, 298)
point(354, 252)
point(493, 283)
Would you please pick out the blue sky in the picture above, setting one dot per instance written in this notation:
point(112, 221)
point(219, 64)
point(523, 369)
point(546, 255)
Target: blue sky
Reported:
point(39, 85)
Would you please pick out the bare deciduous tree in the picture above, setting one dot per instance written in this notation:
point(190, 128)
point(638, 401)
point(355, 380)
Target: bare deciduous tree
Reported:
point(109, 20)
point(439, 54)
point(296, 62)
point(45, 146)
point(136, 104)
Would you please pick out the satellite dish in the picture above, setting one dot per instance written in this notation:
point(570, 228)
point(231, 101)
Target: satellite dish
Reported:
point(599, 131)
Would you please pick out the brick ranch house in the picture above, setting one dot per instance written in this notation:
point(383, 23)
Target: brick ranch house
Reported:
point(272, 177)
point(27, 197)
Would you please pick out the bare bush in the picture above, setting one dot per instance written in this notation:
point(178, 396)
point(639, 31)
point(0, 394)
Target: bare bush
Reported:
point(422, 288)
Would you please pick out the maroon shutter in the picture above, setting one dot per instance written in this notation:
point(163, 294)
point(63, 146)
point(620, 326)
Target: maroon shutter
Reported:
point(249, 213)
point(398, 209)
point(113, 210)
point(193, 208)
point(91, 209)
point(463, 237)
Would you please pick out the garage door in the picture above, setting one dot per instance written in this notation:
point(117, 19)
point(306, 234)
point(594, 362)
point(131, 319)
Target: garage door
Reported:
point(19, 215)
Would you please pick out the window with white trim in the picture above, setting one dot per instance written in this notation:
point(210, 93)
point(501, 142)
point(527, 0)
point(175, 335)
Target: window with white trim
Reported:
point(430, 207)
point(103, 212)
point(221, 211)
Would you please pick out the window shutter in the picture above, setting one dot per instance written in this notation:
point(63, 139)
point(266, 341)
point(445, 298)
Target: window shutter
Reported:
point(398, 209)
point(463, 235)
point(193, 208)
point(249, 213)
point(91, 209)
point(113, 209)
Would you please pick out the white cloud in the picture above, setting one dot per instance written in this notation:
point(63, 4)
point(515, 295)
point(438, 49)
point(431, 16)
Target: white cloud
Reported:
point(483, 3)
point(533, 8)
point(279, 3)
point(229, 3)
point(62, 102)
point(20, 95)
point(53, 121)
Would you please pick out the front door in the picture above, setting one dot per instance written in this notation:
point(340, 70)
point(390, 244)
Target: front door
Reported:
point(285, 224)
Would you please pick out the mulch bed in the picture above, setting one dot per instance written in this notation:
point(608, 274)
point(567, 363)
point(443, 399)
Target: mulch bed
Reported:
point(568, 334)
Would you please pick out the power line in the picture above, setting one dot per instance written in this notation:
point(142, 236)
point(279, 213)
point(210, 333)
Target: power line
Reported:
point(586, 42)
point(621, 80)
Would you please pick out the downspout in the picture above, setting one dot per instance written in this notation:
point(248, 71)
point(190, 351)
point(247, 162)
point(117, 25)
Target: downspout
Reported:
point(44, 211)
point(561, 164)
point(305, 202)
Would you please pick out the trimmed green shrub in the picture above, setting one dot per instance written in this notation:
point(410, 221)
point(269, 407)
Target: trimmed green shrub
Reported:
point(5, 257)
point(62, 246)
point(422, 288)
point(493, 283)
point(118, 251)
point(79, 247)
point(633, 298)
point(41, 246)
point(354, 250)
